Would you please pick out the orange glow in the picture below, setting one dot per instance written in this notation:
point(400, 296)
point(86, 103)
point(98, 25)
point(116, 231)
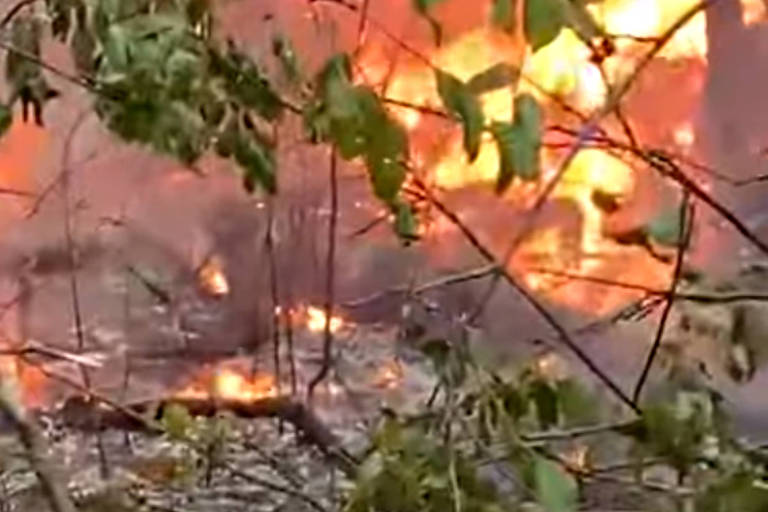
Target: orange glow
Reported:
point(212, 279)
point(389, 375)
point(754, 11)
point(684, 136)
point(230, 384)
point(563, 69)
point(651, 18)
point(316, 320)
point(29, 380)
point(22, 150)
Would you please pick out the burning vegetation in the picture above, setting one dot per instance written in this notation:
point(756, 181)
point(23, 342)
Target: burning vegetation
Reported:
point(566, 145)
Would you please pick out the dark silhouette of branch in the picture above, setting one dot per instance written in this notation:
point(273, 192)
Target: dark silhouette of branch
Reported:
point(686, 230)
point(661, 162)
point(274, 290)
point(451, 279)
point(13, 11)
point(584, 135)
point(704, 298)
point(562, 333)
point(330, 278)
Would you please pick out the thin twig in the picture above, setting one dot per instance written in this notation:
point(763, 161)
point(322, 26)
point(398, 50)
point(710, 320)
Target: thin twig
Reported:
point(575, 433)
point(686, 229)
point(704, 298)
point(584, 134)
point(661, 162)
point(329, 278)
point(451, 279)
point(562, 333)
point(13, 11)
point(274, 291)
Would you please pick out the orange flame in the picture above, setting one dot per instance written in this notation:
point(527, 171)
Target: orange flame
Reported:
point(212, 279)
point(316, 320)
point(563, 69)
point(230, 384)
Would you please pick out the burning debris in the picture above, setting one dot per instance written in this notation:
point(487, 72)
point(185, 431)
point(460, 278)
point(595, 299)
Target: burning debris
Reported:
point(212, 278)
point(316, 320)
point(228, 382)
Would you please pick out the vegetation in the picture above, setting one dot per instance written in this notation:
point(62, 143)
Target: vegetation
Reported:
point(160, 75)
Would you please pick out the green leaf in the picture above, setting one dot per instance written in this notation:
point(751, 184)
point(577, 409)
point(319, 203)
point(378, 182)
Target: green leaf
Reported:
point(459, 100)
point(177, 421)
point(116, 47)
point(387, 177)
point(405, 222)
point(283, 50)
point(495, 77)
point(543, 21)
point(545, 398)
point(83, 49)
point(423, 7)
point(257, 162)
point(556, 490)
point(577, 405)
point(6, 118)
point(581, 20)
point(519, 143)
point(336, 89)
point(503, 14)
point(665, 228)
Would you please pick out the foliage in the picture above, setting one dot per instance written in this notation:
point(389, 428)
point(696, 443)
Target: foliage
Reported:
point(159, 78)
point(519, 143)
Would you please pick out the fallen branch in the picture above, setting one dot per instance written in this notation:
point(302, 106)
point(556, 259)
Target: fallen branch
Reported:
point(80, 413)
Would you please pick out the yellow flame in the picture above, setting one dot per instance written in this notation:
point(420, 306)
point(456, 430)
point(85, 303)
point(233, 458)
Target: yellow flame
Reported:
point(563, 69)
point(316, 320)
point(212, 278)
point(229, 384)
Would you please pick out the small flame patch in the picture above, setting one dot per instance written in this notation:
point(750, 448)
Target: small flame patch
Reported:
point(212, 279)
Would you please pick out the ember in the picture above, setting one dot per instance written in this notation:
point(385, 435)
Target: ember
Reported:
point(212, 278)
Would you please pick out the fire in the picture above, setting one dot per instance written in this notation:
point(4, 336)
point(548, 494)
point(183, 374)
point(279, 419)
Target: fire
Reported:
point(684, 136)
point(230, 384)
point(212, 278)
point(564, 69)
point(316, 320)
point(754, 11)
point(389, 375)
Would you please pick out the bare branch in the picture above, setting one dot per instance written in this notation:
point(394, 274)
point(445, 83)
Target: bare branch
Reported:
point(53, 486)
point(686, 230)
point(329, 278)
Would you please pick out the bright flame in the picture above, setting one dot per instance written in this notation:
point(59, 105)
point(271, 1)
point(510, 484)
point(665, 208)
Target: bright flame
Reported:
point(684, 135)
point(230, 384)
point(754, 11)
point(316, 320)
point(212, 278)
point(563, 69)
point(646, 18)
